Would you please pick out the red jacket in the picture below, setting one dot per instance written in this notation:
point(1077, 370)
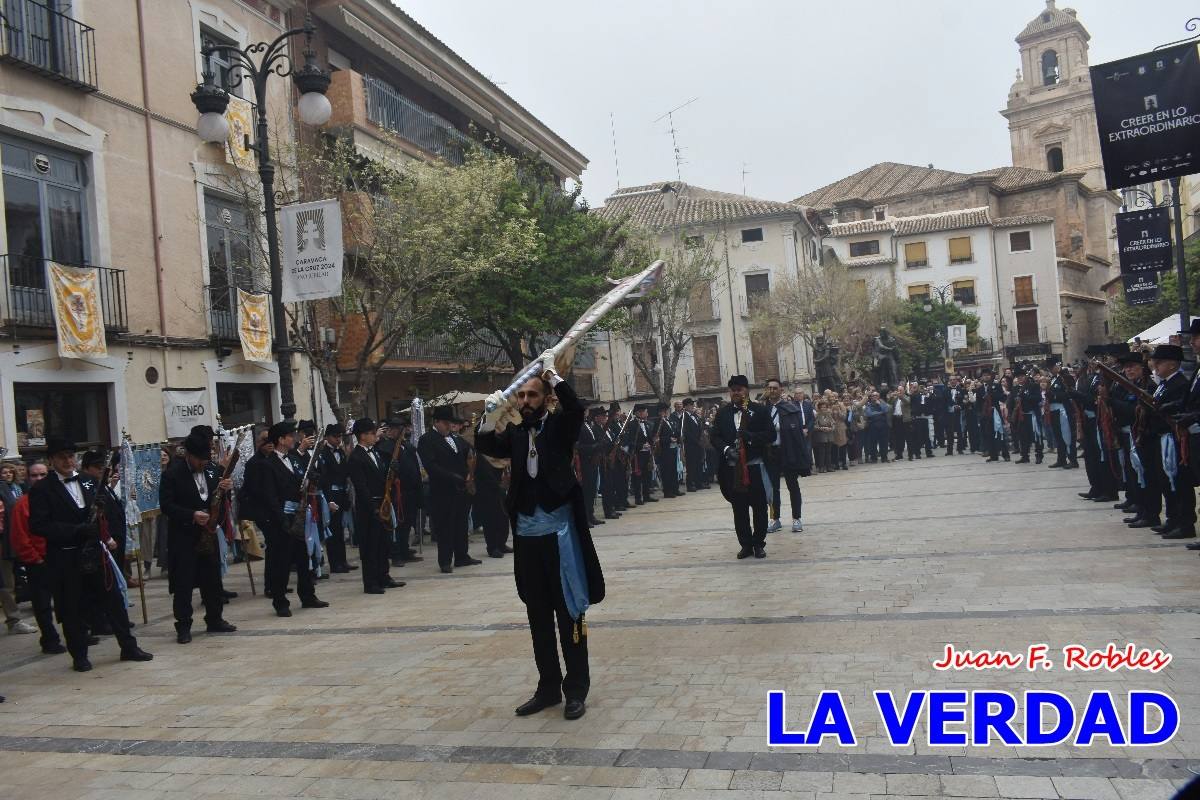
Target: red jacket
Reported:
point(29, 549)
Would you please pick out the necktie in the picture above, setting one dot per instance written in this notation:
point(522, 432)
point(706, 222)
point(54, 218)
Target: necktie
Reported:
point(73, 479)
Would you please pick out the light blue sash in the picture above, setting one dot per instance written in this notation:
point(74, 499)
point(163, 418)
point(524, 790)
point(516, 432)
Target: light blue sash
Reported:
point(561, 523)
point(1136, 460)
point(1064, 423)
point(1170, 457)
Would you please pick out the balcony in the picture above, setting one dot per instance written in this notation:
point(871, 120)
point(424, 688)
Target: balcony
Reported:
point(44, 41)
point(1024, 299)
point(26, 301)
point(440, 350)
point(700, 380)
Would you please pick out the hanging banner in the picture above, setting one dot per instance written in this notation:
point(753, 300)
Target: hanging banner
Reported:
point(956, 336)
point(1148, 115)
point(254, 325)
point(312, 250)
point(75, 298)
point(1141, 289)
point(240, 116)
point(1144, 240)
point(144, 476)
point(184, 410)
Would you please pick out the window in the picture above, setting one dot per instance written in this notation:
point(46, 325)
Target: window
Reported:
point(78, 411)
point(1054, 158)
point(915, 255)
point(880, 213)
point(244, 404)
point(693, 242)
point(1023, 291)
point(222, 67)
point(919, 292)
point(964, 292)
point(764, 353)
point(758, 291)
point(752, 235)
point(1027, 327)
point(700, 303)
point(1018, 242)
point(868, 248)
point(1050, 72)
point(231, 261)
point(647, 354)
point(705, 362)
point(960, 250)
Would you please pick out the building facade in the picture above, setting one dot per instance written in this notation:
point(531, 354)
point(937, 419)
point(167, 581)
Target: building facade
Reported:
point(755, 243)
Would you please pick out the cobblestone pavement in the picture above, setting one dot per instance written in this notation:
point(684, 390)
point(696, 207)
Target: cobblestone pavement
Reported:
point(411, 694)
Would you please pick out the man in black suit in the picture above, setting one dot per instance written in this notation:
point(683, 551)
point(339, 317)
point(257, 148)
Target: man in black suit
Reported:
point(185, 496)
point(591, 461)
point(1027, 408)
point(407, 470)
point(1172, 479)
point(553, 545)
point(333, 476)
point(638, 444)
point(79, 570)
point(280, 491)
point(666, 451)
point(367, 471)
point(445, 462)
point(691, 432)
point(952, 415)
point(1062, 412)
point(743, 478)
point(617, 481)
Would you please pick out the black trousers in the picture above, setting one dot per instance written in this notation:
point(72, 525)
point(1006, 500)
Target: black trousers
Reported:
point(939, 428)
point(373, 541)
point(591, 487)
point(1178, 502)
point(284, 552)
point(993, 437)
point(899, 435)
point(1027, 437)
point(952, 433)
point(536, 569)
point(1151, 498)
point(449, 517)
point(643, 478)
point(793, 485)
point(1064, 451)
point(490, 513)
point(1095, 461)
point(693, 464)
point(752, 501)
point(668, 472)
point(918, 436)
point(194, 571)
point(41, 597)
point(336, 544)
point(75, 592)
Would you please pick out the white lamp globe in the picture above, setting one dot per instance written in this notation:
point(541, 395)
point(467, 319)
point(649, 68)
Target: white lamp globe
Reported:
point(314, 108)
point(213, 127)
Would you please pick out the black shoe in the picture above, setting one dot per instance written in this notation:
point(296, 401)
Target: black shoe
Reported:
point(760, 552)
point(228, 595)
point(136, 653)
point(574, 709)
point(1105, 498)
point(339, 569)
point(468, 562)
point(949, 453)
point(1165, 528)
point(391, 584)
point(283, 611)
point(745, 552)
point(535, 704)
point(81, 665)
point(93, 640)
point(1038, 460)
point(1192, 546)
point(1143, 523)
point(1181, 533)
point(447, 570)
point(374, 590)
point(1086, 495)
point(1134, 518)
point(495, 554)
point(993, 458)
point(651, 499)
point(1128, 505)
point(594, 522)
point(183, 632)
point(611, 515)
point(353, 567)
point(1073, 465)
point(315, 603)
point(1057, 465)
point(54, 648)
point(1023, 460)
point(220, 626)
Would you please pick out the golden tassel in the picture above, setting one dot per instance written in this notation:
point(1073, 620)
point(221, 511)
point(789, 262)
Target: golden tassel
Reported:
point(583, 623)
point(575, 633)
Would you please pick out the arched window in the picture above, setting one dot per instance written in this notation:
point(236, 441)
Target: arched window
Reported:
point(1050, 71)
point(1054, 159)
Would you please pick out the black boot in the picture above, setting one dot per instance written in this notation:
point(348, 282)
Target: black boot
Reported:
point(183, 632)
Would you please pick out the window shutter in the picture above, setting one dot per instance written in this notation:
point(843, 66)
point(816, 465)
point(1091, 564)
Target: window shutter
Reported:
point(960, 249)
point(915, 255)
point(700, 302)
point(704, 358)
point(1023, 290)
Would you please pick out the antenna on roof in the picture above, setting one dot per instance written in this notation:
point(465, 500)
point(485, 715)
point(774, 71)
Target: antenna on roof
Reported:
point(616, 161)
point(745, 172)
point(670, 116)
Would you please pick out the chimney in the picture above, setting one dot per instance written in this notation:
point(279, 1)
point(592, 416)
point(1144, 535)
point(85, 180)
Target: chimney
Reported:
point(670, 197)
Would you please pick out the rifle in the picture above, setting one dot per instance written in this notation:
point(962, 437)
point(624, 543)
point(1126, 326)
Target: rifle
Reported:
point(296, 530)
point(207, 543)
point(1146, 401)
point(385, 507)
point(96, 514)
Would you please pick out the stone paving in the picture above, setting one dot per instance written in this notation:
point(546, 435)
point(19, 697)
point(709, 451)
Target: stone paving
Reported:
point(410, 695)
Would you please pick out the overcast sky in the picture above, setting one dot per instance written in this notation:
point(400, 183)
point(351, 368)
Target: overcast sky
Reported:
point(802, 92)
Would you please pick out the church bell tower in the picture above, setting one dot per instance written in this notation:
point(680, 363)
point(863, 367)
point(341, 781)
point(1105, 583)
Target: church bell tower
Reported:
point(1051, 117)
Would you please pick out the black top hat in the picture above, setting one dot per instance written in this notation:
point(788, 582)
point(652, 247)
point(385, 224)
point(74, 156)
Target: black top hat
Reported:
point(202, 430)
point(306, 426)
point(444, 414)
point(333, 430)
point(1052, 360)
point(1194, 328)
point(638, 407)
point(1168, 352)
point(688, 402)
point(662, 407)
point(394, 422)
point(93, 458)
point(199, 445)
point(364, 425)
point(59, 444)
point(1131, 358)
point(614, 407)
point(279, 430)
point(598, 411)
point(739, 380)
point(1019, 371)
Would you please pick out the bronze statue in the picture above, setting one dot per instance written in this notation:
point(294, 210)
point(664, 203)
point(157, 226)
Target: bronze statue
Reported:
point(885, 356)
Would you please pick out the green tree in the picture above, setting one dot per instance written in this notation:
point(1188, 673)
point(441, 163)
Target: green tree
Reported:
point(922, 333)
point(1129, 321)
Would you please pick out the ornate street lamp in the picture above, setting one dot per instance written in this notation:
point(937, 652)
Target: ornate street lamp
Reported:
point(314, 109)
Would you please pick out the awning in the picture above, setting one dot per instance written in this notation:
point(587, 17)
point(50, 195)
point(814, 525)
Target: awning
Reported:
point(1160, 332)
point(456, 398)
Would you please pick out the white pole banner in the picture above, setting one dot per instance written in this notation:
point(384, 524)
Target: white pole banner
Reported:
point(185, 409)
point(957, 336)
point(312, 250)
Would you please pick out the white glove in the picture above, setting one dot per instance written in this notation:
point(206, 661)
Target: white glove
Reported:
point(496, 400)
point(547, 359)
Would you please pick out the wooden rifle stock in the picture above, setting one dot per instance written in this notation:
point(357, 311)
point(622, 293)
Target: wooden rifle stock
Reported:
point(1146, 401)
point(385, 507)
point(297, 527)
point(207, 543)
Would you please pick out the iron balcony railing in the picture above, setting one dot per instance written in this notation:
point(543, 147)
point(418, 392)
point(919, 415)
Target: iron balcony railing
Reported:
point(441, 349)
point(706, 378)
point(42, 40)
point(390, 110)
point(221, 302)
point(27, 300)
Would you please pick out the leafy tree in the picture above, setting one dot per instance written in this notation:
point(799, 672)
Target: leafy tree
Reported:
point(530, 301)
point(922, 334)
point(1129, 321)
